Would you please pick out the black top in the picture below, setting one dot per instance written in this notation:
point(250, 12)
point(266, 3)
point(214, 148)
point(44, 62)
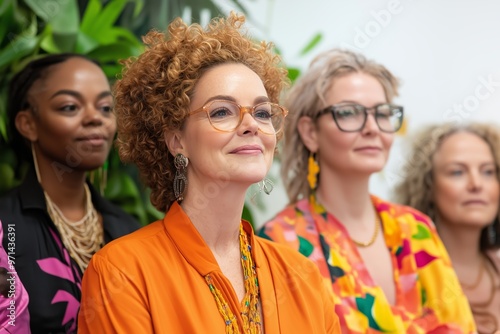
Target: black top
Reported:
point(51, 277)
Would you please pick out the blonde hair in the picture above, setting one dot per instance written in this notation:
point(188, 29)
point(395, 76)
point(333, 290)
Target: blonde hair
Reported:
point(308, 96)
point(417, 186)
point(154, 92)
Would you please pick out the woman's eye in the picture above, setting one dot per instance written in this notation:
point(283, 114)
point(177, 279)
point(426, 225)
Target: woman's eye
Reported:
point(456, 172)
point(262, 114)
point(383, 115)
point(220, 112)
point(346, 113)
point(107, 109)
point(69, 107)
point(489, 172)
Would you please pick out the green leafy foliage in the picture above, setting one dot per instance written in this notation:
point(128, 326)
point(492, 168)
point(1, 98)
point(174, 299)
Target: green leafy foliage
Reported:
point(108, 31)
point(32, 28)
point(104, 30)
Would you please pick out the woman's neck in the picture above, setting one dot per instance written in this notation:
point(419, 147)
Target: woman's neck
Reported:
point(346, 197)
point(461, 242)
point(64, 185)
point(217, 217)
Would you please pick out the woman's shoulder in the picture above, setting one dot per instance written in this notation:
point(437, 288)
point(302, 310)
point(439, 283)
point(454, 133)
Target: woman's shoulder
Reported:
point(116, 221)
point(289, 214)
point(281, 254)
point(401, 212)
point(135, 245)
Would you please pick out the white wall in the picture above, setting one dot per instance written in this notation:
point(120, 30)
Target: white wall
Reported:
point(445, 53)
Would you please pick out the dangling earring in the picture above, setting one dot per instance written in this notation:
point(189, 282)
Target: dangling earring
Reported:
point(266, 186)
point(180, 179)
point(312, 171)
point(492, 234)
point(101, 174)
point(35, 162)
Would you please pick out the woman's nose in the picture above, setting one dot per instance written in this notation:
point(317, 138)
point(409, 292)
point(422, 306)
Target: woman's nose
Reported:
point(370, 124)
point(475, 181)
point(93, 115)
point(248, 122)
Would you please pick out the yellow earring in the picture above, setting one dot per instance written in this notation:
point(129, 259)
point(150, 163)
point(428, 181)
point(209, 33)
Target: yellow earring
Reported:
point(312, 171)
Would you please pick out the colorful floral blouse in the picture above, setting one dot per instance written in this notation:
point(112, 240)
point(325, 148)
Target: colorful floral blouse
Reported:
point(429, 298)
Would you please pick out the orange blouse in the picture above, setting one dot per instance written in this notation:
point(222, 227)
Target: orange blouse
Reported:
point(152, 281)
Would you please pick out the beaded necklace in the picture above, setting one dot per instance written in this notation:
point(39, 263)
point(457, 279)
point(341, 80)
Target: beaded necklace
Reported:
point(249, 308)
point(82, 238)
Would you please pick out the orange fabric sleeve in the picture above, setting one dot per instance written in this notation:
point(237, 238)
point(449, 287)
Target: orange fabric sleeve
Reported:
point(112, 301)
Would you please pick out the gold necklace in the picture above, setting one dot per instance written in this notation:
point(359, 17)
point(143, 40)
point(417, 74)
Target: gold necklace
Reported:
point(249, 309)
point(374, 236)
point(82, 238)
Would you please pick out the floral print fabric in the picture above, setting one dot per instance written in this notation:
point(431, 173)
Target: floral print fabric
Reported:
point(429, 298)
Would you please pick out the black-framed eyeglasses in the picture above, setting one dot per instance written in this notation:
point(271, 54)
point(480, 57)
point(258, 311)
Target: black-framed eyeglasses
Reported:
point(226, 116)
point(351, 117)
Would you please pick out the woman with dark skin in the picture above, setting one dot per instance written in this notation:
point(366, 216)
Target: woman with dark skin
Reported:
point(453, 176)
point(61, 107)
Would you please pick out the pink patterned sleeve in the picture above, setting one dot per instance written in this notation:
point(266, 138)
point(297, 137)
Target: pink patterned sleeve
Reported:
point(14, 316)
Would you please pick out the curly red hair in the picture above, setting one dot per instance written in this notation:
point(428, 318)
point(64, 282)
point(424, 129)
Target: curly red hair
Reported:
point(154, 92)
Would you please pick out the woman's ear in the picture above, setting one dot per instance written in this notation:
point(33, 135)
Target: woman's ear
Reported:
point(308, 133)
point(173, 140)
point(26, 125)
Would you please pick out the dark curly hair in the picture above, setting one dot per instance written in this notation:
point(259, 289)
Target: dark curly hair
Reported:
point(153, 94)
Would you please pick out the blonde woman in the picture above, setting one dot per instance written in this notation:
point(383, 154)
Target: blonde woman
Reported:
point(384, 261)
point(453, 176)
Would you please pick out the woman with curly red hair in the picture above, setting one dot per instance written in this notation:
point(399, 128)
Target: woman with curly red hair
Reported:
point(197, 112)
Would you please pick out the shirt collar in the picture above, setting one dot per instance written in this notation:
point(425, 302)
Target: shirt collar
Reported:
point(191, 244)
point(32, 197)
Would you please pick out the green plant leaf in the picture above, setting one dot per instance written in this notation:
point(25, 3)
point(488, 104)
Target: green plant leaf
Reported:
point(85, 44)
point(120, 34)
point(312, 44)
point(103, 22)
point(3, 127)
point(62, 15)
point(20, 46)
point(113, 52)
point(123, 191)
point(63, 19)
point(7, 176)
point(247, 215)
point(121, 186)
point(93, 9)
point(7, 18)
point(112, 70)
point(293, 73)
point(47, 43)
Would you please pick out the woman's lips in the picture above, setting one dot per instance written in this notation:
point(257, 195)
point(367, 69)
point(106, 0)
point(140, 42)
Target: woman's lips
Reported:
point(247, 149)
point(93, 140)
